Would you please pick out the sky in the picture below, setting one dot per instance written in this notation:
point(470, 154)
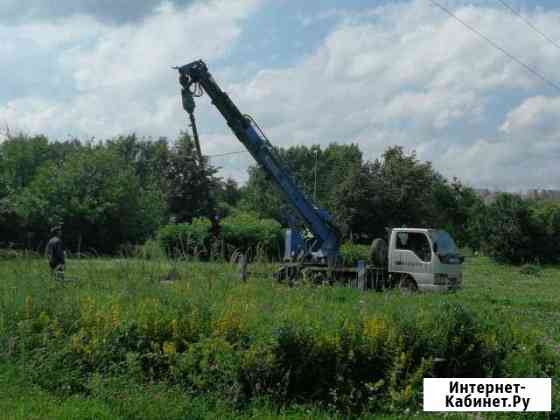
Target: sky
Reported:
point(373, 73)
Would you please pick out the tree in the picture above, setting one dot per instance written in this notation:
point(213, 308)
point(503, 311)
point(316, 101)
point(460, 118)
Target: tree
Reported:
point(59, 150)
point(457, 209)
point(189, 182)
point(545, 229)
point(334, 163)
point(393, 191)
point(228, 192)
point(475, 229)
point(408, 186)
point(507, 233)
point(399, 190)
point(226, 196)
point(360, 206)
point(149, 158)
point(20, 158)
point(98, 198)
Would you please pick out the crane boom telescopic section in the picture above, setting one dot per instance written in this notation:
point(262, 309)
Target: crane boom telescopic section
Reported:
point(317, 220)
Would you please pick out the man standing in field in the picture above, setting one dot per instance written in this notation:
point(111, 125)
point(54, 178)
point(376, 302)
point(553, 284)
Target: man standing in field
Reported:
point(55, 253)
point(215, 227)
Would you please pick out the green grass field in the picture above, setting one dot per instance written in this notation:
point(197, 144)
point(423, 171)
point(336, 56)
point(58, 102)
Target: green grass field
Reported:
point(119, 344)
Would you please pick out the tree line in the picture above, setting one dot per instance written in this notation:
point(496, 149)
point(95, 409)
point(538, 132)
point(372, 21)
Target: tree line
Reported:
point(109, 194)
point(105, 194)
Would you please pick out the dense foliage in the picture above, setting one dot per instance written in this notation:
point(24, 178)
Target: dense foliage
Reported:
point(96, 195)
point(244, 232)
point(122, 191)
point(186, 238)
point(351, 253)
point(105, 194)
point(366, 197)
point(332, 164)
point(516, 230)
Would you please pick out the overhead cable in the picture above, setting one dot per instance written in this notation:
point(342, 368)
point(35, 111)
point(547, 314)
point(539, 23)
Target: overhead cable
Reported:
point(227, 154)
point(528, 23)
point(496, 46)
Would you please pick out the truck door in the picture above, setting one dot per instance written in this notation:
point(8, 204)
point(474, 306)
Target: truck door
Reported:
point(412, 254)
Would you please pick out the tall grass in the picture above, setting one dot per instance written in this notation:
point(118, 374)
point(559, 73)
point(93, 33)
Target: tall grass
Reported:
point(222, 343)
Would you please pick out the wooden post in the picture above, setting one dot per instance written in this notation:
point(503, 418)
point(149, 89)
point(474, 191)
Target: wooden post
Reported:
point(330, 269)
point(361, 275)
point(243, 267)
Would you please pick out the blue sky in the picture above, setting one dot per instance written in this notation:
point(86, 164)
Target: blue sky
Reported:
point(376, 73)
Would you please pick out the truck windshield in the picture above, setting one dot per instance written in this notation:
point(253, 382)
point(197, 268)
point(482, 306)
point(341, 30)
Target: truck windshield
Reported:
point(445, 243)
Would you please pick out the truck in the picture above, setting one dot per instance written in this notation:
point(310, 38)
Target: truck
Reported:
point(412, 259)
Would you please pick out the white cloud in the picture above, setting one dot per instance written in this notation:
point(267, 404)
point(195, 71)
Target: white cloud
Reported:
point(132, 54)
point(121, 75)
point(309, 20)
point(223, 149)
point(59, 33)
point(537, 116)
point(403, 73)
point(415, 77)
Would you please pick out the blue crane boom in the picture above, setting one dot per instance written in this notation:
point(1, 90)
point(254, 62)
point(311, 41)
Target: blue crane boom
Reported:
point(193, 78)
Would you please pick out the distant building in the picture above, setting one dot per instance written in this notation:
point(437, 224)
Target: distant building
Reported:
point(535, 194)
point(489, 196)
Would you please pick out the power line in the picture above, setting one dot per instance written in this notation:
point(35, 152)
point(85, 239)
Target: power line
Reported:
point(492, 43)
point(528, 23)
point(227, 154)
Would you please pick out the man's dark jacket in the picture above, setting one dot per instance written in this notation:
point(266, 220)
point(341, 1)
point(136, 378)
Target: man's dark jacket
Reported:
point(55, 251)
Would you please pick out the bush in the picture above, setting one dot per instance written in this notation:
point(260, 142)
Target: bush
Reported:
point(150, 250)
point(243, 231)
point(207, 345)
point(380, 360)
point(86, 193)
point(184, 239)
point(545, 226)
point(508, 230)
point(352, 253)
point(522, 231)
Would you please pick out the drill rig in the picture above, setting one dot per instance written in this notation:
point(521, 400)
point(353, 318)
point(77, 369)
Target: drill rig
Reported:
point(196, 79)
point(318, 259)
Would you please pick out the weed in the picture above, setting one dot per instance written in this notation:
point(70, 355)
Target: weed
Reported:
point(121, 339)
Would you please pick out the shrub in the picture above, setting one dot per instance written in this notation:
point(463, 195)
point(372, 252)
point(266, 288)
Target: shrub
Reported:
point(368, 362)
point(522, 231)
point(150, 250)
point(243, 231)
point(211, 364)
point(352, 253)
point(244, 342)
point(246, 231)
point(185, 238)
point(545, 230)
point(508, 230)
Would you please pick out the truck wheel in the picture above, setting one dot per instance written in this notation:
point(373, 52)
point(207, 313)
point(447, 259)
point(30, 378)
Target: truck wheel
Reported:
point(378, 252)
point(407, 285)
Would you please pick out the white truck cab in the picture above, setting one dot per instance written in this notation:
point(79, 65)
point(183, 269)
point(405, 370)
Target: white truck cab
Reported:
point(424, 259)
